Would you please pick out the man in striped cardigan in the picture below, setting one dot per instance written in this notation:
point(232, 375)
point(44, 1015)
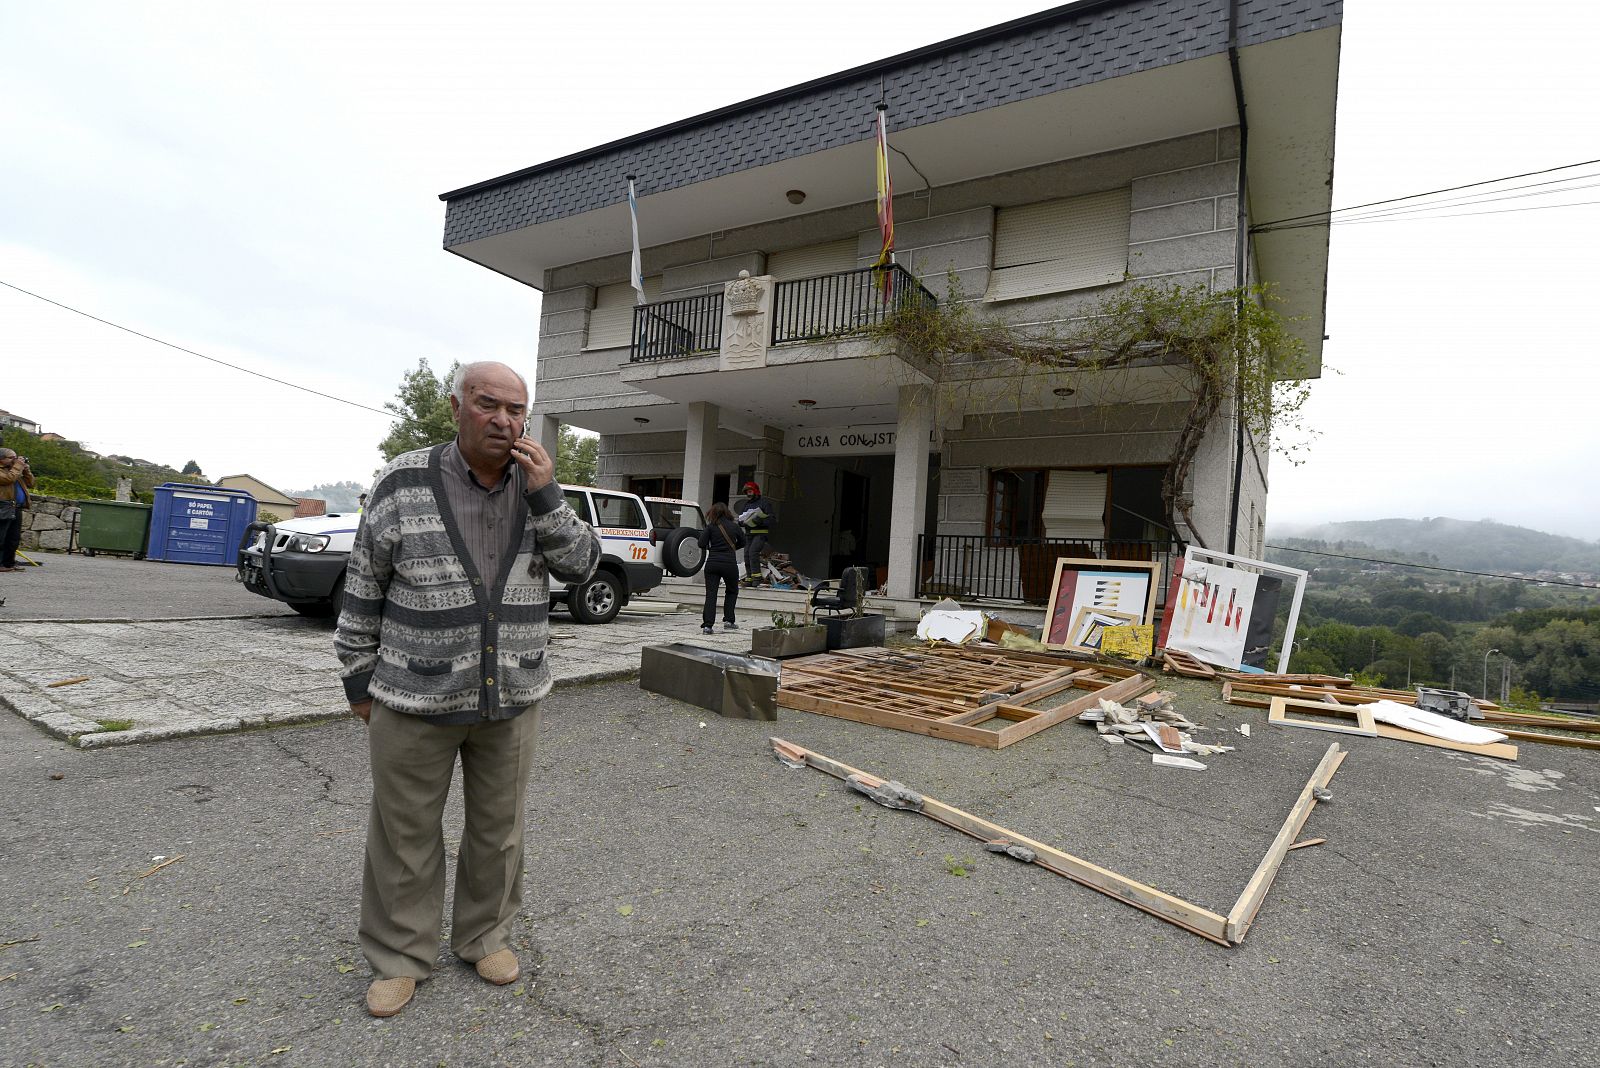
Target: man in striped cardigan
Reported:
point(442, 637)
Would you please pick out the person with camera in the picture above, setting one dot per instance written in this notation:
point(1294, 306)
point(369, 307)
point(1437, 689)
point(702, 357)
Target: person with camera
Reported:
point(16, 479)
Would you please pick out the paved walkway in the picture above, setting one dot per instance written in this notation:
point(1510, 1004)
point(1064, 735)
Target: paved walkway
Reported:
point(150, 680)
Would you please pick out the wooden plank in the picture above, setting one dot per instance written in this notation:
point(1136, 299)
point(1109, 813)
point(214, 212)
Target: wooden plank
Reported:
point(1555, 722)
point(1275, 679)
point(1307, 842)
point(1146, 898)
point(1184, 664)
point(1243, 913)
point(1498, 750)
point(1365, 726)
point(1550, 739)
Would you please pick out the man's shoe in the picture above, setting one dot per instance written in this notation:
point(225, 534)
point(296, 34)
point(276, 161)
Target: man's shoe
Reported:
point(707, 630)
point(730, 625)
point(499, 967)
point(385, 997)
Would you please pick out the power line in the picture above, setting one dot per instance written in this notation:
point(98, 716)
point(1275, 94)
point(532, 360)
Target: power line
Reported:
point(1477, 200)
point(1324, 215)
point(203, 356)
point(1424, 218)
point(1447, 570)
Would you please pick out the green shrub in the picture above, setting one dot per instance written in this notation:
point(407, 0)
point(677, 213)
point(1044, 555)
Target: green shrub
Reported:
point(71, 489)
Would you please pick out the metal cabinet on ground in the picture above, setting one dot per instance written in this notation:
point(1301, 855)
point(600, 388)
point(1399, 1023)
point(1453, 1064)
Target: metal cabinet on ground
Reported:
point(199, 524)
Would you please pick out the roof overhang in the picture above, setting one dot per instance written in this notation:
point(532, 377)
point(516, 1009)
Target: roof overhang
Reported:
point(1290, 88)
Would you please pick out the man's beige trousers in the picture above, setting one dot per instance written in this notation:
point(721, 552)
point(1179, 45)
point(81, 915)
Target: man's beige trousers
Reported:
point(402, 889)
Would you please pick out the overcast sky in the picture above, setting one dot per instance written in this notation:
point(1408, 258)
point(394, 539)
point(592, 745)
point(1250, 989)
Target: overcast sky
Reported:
point(259, 183)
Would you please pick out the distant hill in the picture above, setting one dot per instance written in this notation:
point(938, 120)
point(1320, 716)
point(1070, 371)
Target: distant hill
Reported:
point(1483, 545)
point(341, 496)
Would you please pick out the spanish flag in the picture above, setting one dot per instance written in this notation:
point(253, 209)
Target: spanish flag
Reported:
point(885, 206)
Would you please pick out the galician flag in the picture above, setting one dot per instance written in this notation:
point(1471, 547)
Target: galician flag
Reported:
point(636, 272)
point(885, 204)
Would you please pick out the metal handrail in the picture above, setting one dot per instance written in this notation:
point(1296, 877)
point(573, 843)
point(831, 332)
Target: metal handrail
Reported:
point(683, 326)
point(832, 305)
point(1022, 569)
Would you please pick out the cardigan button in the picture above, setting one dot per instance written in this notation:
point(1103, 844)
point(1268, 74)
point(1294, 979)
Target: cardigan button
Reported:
point(488, 682)
point(477, 582)
point(489, 649)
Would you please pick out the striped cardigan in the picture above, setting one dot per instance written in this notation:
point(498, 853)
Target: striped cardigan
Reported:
point(420, 629)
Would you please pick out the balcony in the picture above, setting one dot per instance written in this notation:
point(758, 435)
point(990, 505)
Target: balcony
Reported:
point(806, 309)
point(810, 309)
point(668, 329)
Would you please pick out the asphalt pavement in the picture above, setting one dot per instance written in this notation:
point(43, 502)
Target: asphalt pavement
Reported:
point(101, 588)
point(692, 902)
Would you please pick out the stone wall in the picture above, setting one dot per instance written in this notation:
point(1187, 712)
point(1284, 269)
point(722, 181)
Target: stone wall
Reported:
point(48, 523)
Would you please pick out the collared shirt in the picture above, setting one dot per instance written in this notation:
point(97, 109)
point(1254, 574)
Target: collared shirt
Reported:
point(485, 516)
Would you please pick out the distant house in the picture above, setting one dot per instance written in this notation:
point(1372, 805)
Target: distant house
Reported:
point(271, 500)
point(51, 435)
point(20, 422)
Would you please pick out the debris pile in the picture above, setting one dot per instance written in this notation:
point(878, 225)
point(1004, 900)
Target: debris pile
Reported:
point(1152, 721)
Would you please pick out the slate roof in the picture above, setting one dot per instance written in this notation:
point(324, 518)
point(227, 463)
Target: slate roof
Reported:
point(1080, 43)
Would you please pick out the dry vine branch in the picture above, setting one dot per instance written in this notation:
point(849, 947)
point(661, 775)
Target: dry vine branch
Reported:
point(1232, 341)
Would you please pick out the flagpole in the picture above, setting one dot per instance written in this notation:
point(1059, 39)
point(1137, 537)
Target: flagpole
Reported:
point(635, 270)
point(885, 206)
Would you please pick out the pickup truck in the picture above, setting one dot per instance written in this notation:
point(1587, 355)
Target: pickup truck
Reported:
point(302, 562)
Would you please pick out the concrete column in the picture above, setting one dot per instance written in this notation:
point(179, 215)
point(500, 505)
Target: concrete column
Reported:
point(700, 453)
point(548, 430)
point(909, 505)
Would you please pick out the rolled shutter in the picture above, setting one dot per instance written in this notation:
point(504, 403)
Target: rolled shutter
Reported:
point(1060, 245)
point(813, 260)
point(1075, 505)
point(611, 321)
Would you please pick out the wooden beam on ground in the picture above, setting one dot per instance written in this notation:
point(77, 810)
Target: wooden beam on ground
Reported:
point(1498, 750)
point(1550, 739)
point(1243, 913)
point(1185, 664)
point(1559, 723)
point(1192, 918)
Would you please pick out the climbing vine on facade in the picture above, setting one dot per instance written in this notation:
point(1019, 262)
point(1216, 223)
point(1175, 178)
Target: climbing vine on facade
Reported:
point(1233, 343)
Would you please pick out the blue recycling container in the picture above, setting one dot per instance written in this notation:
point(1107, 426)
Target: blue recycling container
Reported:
point(199, 524)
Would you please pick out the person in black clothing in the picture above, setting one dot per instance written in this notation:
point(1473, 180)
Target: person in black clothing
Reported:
point(758, 515)
point(721, 539)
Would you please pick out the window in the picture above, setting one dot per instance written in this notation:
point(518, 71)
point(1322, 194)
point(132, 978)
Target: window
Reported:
point(1060, 245)
point(614, 511)
point(813, 260)
point(578, 501)
point(611, 321)
point(656, 487)
point(1015, 500)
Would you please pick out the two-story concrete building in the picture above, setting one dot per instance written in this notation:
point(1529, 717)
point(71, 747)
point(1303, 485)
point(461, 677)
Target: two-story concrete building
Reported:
point(1038, 165)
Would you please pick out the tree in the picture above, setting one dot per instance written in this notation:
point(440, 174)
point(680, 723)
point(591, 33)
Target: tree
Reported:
point(421, 410)
point(576, 457)
point(191, 468)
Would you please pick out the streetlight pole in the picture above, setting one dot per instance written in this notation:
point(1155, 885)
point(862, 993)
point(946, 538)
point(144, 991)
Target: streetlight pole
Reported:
point(1486, 656)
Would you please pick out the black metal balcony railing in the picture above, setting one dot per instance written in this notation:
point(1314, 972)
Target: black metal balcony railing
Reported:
point(682, 327)
point(1021, 569)
point(835, 304)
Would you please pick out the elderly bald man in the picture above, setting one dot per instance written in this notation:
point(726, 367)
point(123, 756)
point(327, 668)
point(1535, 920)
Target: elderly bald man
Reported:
point(442, 637)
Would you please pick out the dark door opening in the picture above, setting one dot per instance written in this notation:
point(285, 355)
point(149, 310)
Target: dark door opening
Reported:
point(852, 523)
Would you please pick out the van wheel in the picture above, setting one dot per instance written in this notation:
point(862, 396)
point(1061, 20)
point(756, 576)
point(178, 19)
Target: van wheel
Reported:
point(681, 554)
point(596, 601)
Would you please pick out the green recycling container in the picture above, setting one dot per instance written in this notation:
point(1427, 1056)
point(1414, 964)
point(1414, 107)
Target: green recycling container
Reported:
point(113, 527)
